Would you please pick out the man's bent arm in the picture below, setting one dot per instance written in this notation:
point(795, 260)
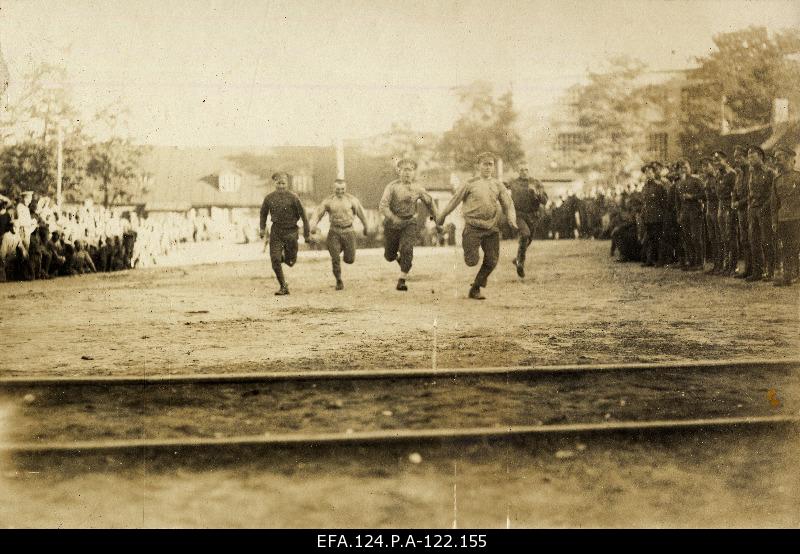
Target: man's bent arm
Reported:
point(383, 205)
point(263, 216)
point(457, 198)
point(508, 207)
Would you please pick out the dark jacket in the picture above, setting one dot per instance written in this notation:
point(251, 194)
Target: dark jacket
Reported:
point(787, 193)
point(286, 210)
point(654, 205)
point(760, 187)
point(726, 181)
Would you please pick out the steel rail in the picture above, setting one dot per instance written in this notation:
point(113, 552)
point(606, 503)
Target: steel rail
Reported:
point(423, 373)
point(397, 436)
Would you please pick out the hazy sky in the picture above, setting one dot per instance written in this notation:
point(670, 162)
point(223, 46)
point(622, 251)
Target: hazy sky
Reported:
point(248, 72)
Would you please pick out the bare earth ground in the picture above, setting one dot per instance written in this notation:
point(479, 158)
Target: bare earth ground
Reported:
point(698, 480)
point(576, 306)
point(130, 412)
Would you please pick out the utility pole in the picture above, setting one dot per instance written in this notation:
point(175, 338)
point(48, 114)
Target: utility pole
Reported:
point(60, 165)
point(339, 158)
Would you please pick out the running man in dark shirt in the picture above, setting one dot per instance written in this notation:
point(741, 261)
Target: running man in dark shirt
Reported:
point(286, 209)
point(528, 196)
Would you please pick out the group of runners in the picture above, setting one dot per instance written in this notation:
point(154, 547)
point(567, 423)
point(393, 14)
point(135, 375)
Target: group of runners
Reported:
point(485, 199)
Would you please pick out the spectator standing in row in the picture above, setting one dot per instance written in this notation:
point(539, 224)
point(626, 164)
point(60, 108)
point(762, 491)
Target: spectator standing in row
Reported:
point(760, 189)
point(725, 180)
point(691, 193)
point(654, 205)
point(787, 194)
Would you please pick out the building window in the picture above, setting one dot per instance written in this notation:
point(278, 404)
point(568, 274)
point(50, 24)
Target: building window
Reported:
point(569, 142)
point(229, 182)
point(568, 146)
point(657, 146)
point(302, 184)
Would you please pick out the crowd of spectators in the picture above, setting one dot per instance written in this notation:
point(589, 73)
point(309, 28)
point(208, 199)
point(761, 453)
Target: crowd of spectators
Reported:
point(738, 212)
point(40, 241)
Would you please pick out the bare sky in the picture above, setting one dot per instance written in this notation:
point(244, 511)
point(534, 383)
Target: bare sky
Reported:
point(255, 72)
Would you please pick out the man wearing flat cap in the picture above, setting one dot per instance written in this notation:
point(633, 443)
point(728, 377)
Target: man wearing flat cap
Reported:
point(528, 196)
point(760, 187)
point(690, 216)
point(286, 210)
point(726, 217)
point(398, 206)
point(654, 204)
point(484, 198)
point(710, 177)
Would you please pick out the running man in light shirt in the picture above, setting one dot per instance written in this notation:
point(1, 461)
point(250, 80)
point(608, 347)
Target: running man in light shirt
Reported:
point(485, 200)
point(341, 208)
point(399, 208)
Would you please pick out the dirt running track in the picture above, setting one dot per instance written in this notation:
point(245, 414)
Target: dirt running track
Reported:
point(575, 306)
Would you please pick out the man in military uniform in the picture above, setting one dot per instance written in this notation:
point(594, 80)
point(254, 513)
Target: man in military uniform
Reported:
point(483, 198)
point(726, 181)
point(341, 208)
point(528, 196)
point(690, 217)
point(759, 198)
point(399, 208)
point(787, 195)
point(739, 205)
point(714, 254)
point(286, 209)
point(654, 203)
point(670, 248)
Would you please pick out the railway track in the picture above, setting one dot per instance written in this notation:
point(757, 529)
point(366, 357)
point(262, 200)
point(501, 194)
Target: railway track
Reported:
point(172, 446)
point(170, 413)
point(357, 375)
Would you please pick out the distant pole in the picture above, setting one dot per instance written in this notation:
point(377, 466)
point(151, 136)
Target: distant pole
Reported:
point(339, 159)
point(499, 169)
point(60, 165)
point(724, 127)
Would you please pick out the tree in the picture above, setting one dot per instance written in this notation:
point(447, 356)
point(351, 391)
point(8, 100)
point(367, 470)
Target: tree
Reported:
point(26, 166)
point(486, 124)
point(29, 128)
point(738, 82)
point(113, 165)
point(612, 116)
point(31, 165)
point(43, 106)
point(403, 140)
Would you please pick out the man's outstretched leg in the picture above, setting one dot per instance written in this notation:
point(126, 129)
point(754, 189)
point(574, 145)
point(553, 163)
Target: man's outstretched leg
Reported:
point(334, 244)
point(490, 244)
point(277, 255)
point(524, 243)
point(347, 241)
point(405, 257)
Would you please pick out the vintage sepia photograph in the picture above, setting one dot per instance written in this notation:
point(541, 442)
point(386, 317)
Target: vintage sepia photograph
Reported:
point(445, 264)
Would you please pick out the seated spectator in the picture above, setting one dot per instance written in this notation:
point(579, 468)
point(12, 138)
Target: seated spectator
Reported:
point(81, 262)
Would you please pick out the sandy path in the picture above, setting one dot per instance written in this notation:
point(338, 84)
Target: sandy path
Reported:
point(575, 306)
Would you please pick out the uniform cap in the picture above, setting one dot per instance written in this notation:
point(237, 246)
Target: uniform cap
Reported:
point(485, 156)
